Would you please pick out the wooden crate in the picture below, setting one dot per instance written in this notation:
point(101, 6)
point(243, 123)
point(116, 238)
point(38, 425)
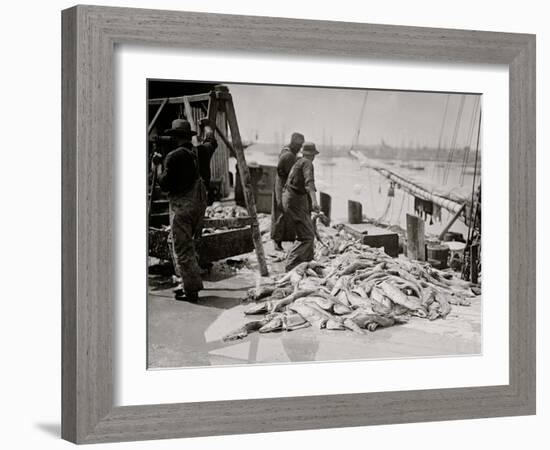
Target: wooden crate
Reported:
point(212, 247)
point(375, 237)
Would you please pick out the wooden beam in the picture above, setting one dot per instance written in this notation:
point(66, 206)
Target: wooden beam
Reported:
point(155, 118)
point(453, 220)
point(212, 111)
point(179, 100)
point(222, 135)
point(189, 114)
point(246, 183)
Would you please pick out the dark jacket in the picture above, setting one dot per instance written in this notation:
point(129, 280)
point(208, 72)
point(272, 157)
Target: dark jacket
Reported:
point(205, 152)
point(185, 164)
point(301, 178)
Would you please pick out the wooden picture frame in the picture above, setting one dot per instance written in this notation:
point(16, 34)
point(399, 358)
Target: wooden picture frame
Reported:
point(90, 34)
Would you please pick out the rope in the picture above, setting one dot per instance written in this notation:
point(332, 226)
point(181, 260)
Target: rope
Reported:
point(356, 140)
point(403, 195)
point(470, 137)
point(440, 141)
point(470, 221)
point(384, 214)
point(453, 140)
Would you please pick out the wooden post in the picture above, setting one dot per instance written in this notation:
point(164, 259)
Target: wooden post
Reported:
point(212, 112)
point(325, 203)
point(247, 186)
point(474, 258)
point(189, 115)
point(416, 248)
point(157, 115)
point(355, 212)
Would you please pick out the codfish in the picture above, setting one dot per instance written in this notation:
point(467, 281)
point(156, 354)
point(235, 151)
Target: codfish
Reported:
point(274, 324)
point(334, 325)
point(258, 308)
point(351, 325)
point(355, 266)
point(309, 313)
point(293, 321)
point(399, 297)
point(364, 319)
point(279, 304)
point(444, 306)
point(433, 310)
point(343, 298)
point(322, 302)
point(243, 331)
point(260, 292)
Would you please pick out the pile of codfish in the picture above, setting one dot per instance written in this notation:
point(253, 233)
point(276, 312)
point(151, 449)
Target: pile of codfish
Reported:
point(351, 286)
point(218, 211)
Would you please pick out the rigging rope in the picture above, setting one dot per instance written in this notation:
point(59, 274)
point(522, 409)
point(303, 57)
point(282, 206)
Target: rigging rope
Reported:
point(385, 213)
point(471, 219)
point(470, 137)
point(403, 195)
point(470, 225)
point(440, 141)
point(453, 140)
point(355, 142)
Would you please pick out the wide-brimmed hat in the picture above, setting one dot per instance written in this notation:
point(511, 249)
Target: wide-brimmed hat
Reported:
point(180, 127)
point(309, 149)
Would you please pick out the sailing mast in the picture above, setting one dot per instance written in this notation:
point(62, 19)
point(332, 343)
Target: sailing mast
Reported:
point(355, 141)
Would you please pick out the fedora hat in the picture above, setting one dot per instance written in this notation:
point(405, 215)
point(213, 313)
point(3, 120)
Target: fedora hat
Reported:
point(180, 127)
point(309, 149)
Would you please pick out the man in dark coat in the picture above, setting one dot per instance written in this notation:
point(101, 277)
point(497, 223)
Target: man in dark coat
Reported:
point(299, 199)
point(182, 179)
point(282, 228)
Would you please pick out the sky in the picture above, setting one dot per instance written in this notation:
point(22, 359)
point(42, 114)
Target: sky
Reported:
point(400, 118)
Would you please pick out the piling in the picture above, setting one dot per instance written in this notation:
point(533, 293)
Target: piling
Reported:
point(416, 248)
point(325, 203)
point(355, 212)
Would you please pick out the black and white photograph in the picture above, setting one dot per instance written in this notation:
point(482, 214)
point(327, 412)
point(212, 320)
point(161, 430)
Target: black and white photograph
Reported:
point(294, 224)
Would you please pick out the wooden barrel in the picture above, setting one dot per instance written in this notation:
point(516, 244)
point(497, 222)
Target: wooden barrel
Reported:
point(438, 255)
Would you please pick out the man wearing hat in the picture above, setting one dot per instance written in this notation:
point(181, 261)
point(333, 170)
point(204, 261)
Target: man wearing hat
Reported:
point(282, 229)
point(183, 180)
point(299, 199)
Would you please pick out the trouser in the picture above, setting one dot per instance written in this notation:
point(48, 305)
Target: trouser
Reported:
point(282, 227)
point(186, 220)
point(297, 207)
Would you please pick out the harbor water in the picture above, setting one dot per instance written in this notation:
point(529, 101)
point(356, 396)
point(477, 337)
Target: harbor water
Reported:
point(343, 178)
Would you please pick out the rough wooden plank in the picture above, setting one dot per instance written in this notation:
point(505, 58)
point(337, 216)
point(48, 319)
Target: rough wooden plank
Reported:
point(91, 159)
point(522, 191)
point(299, 36)
point(246, 184)
point(68, 228)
